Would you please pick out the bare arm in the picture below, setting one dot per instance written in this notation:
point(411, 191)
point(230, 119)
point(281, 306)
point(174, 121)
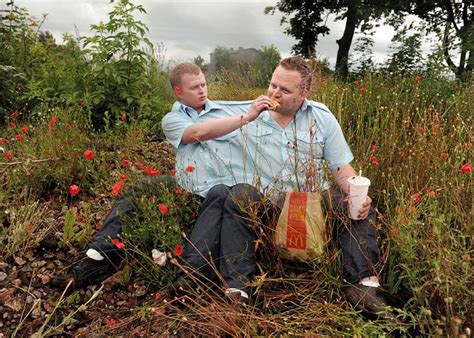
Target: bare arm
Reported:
point(211, 129)
point(341, 176)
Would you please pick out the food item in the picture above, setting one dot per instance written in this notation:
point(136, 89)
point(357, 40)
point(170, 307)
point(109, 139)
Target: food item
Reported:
point(275, 105)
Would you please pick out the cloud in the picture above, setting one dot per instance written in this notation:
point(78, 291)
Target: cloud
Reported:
point(191, 28)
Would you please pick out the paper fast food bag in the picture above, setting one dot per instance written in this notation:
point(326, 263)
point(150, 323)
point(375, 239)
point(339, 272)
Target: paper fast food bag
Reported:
point(301, 229)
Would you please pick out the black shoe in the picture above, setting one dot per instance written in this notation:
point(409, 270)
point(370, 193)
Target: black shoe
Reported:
point(370, 300)
point(85, 272)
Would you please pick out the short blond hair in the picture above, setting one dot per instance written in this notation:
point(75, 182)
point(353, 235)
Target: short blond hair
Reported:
point(298, 64)
point(183, 68)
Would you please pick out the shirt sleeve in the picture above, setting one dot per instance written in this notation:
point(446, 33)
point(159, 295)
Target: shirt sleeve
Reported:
point(336, 149)
point(174, 124)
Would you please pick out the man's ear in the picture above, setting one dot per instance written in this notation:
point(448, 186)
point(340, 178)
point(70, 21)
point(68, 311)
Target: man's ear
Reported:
point(177, 90)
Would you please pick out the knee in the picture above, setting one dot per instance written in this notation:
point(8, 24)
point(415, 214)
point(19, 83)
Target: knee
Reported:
point(242, 196)
point(244, 192)
point(218, 192)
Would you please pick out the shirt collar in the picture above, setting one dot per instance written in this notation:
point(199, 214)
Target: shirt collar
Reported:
point(210, 105)
point(266, 117)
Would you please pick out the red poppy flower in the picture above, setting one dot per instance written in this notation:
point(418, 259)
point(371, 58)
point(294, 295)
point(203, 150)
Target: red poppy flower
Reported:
point(416, 197)
point(8, 155)
point(125, 163)
point(3, 141)
point(403, 154)
point(12, 124)
point(140, 165)
point(118, 244)
point(110, 322)
point(158, 295)
point(74, 190)
point(117, 188)
point(89, 155)
point(19, 137)
point(172, 172)
point(163, 209)
point(444, 156)
point(14, 114)
point(24, 130)
point(465, 168)
point(123, 176)
point(419, 78)
point(193, 214)
point(374, 161)
point(373, 147)
point(150, 171)
point(29, 228)
point(178, 191)
point(411, 209)
point(68, 126)
point(178, 249)
point(190, 168)
point(356, 82)
point(53, 120)
point(431, 192)
point(123, 117)
point(362, 89)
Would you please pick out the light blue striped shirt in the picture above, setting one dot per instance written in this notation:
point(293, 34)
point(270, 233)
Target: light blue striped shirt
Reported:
point(261, 153)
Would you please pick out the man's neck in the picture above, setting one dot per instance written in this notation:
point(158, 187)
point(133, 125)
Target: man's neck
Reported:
point(282, 120)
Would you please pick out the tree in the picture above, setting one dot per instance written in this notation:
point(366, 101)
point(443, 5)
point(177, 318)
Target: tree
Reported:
point(199, 61)
point(118, 62)
point(407, 57)
point(363, 59)
point(452, 22)
point(267, 60)
point(307, 24)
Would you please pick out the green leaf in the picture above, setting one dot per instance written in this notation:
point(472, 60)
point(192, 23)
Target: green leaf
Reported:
point(69, 221)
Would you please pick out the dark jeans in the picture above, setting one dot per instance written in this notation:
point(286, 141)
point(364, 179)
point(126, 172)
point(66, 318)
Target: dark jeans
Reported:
point(356, 238)
point(222, 238)
point(125, 206)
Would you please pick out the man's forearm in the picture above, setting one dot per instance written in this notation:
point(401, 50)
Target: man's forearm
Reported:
point(341, 175)
point(211, 129)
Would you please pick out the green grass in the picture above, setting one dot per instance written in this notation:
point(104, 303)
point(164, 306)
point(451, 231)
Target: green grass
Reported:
point(420, 133)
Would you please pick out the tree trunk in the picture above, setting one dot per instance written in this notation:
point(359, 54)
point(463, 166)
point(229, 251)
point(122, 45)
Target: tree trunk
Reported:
point(352, 18)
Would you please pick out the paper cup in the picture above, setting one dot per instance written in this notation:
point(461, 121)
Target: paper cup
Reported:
point(358, 189)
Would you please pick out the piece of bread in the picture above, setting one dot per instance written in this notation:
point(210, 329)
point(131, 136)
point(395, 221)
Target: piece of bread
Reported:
point(275, 105)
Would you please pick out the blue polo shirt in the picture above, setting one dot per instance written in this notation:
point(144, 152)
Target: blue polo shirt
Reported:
point(219, 161)
point(293, 157)
point(261, 153)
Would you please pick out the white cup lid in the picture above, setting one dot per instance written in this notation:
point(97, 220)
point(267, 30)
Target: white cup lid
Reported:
point(359, 180)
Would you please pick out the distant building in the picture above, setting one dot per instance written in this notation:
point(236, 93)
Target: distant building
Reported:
point(244, 55)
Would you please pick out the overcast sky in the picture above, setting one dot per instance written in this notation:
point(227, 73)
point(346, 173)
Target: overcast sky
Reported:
point(188, 28)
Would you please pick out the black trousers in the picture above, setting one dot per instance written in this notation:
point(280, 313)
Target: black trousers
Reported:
point(357, 239)
point(223, 241)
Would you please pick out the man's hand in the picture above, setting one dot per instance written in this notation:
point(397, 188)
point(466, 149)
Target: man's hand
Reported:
point(364, 211)
point(260, 104)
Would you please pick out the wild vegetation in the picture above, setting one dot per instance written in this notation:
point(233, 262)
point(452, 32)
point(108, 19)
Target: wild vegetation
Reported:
point(81, 122)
